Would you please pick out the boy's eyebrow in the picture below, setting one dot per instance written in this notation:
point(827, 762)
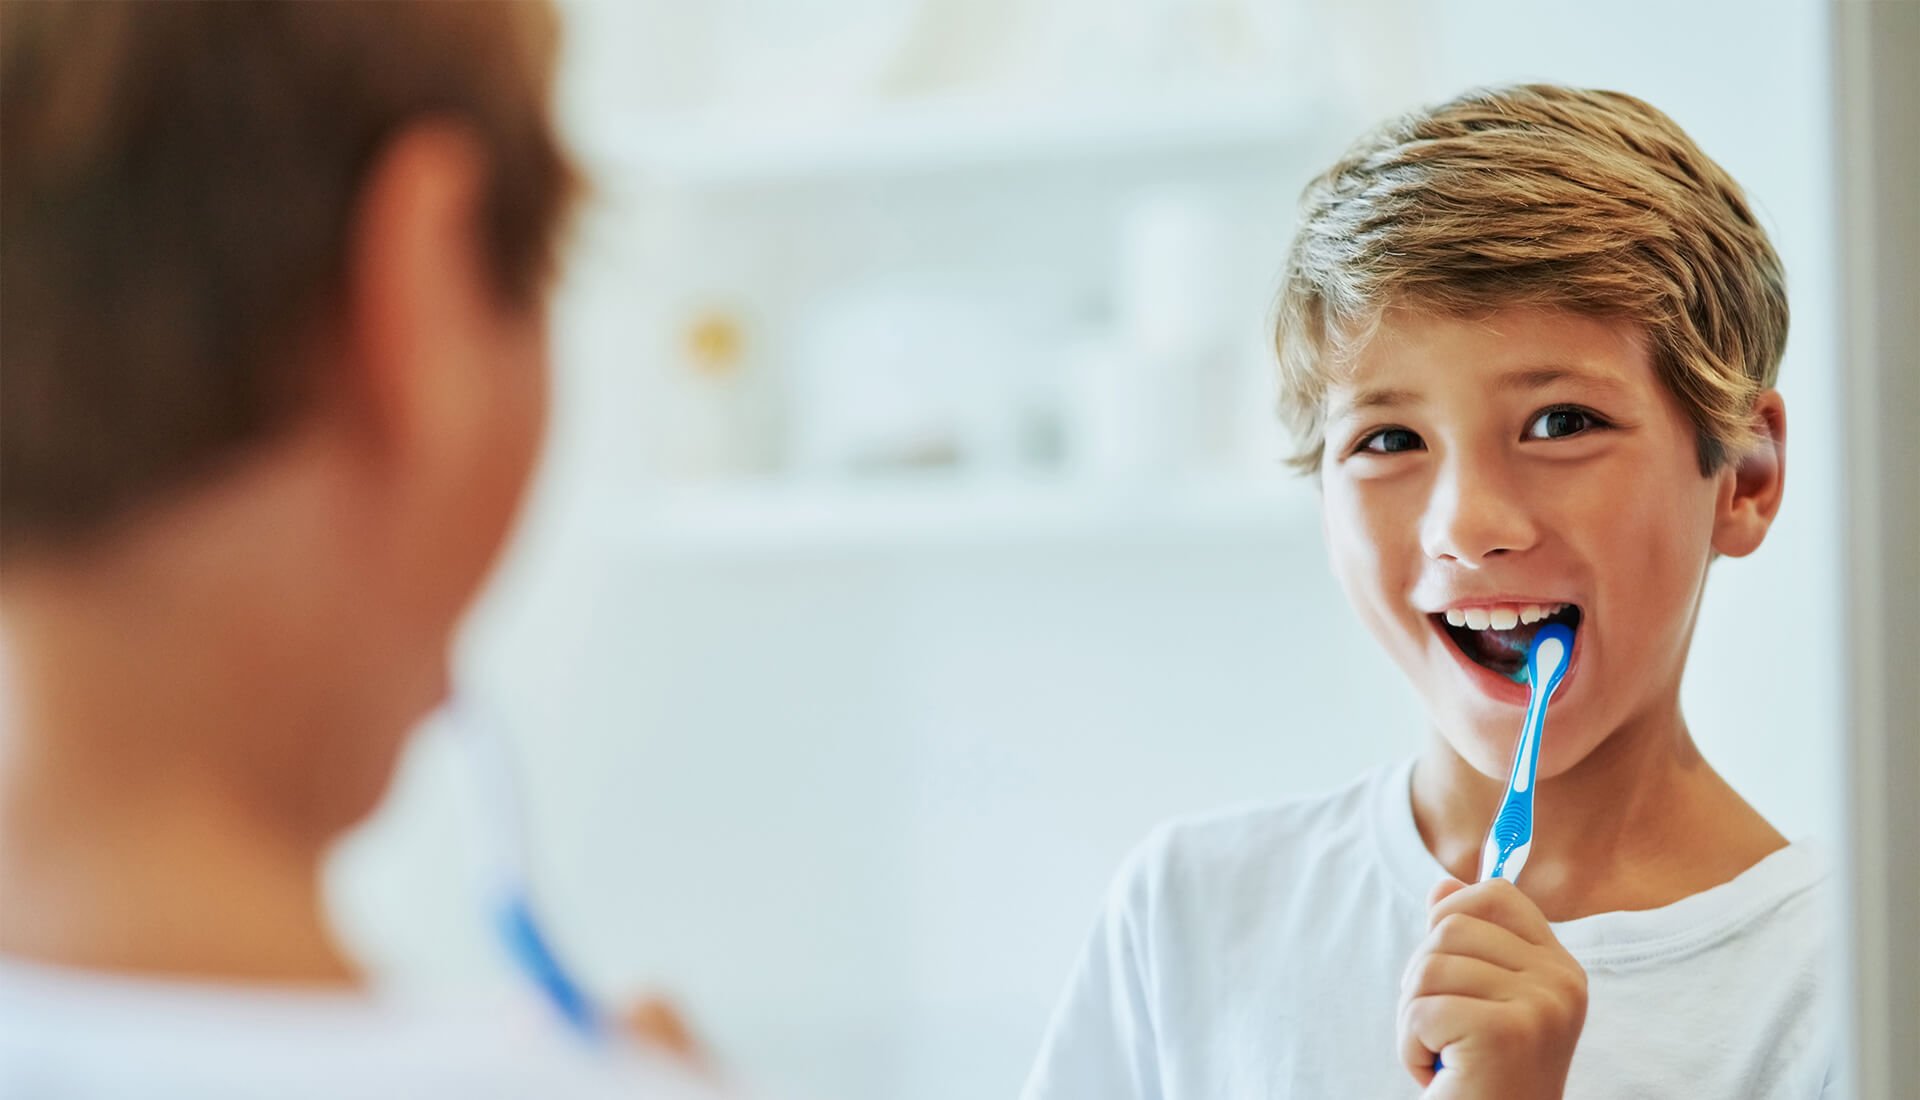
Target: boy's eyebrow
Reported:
point(1382, 398)
point(1523, 378)
point(1539, 378)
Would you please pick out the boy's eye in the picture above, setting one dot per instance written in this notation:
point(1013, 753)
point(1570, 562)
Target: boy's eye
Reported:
point(1388, 441)
point(1561, 422)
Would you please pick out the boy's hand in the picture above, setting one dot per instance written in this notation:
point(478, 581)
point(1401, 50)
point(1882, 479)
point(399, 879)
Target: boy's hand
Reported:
point(1492, 991)
point(656, 1023)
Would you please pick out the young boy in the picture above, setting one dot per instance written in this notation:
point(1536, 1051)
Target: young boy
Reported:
point(1529, 339)
point(273, 384)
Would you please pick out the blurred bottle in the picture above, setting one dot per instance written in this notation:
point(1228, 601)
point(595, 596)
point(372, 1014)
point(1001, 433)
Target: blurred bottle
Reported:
point(1155, 395)
point(720, 413)
point(910, 374)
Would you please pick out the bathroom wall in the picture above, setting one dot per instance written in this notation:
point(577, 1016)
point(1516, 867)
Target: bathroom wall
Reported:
point(839, 741)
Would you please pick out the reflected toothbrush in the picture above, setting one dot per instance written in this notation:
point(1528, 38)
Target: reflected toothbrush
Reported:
point(510, 896)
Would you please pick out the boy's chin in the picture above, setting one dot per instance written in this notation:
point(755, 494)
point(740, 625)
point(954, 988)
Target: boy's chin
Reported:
point(1488, 746)
point(1495, 761)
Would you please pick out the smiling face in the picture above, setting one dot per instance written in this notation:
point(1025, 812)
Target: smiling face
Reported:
point(1479, 473)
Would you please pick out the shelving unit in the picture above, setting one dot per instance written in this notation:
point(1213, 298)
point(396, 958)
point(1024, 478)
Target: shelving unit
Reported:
point(782, 518)
point(735, 200)
point(940, 136)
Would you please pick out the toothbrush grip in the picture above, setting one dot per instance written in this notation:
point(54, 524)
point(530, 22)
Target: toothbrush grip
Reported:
point(521, 934)
point(1515, 823)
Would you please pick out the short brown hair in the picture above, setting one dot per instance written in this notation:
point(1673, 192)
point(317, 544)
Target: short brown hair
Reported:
point(1544, 196)
point(179, 182)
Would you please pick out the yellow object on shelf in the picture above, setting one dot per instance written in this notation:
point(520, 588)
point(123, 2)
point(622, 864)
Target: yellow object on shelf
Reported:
point(714, 343)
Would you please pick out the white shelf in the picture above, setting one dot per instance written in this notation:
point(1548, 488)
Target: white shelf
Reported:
point(940, 136)
point(776, 519)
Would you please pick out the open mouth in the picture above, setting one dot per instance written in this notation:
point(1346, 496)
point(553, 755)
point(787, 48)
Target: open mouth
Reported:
point(1497, 638)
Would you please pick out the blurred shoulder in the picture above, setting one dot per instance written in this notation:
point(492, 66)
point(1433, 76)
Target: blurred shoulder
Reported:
point(98, 1036)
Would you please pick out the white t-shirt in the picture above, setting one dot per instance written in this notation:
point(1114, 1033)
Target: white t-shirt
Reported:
point(73, 1035)
point(1258, 953)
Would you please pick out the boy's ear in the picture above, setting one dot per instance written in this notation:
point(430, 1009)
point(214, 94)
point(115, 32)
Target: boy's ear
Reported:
point(415, 282)
point(1751, 485)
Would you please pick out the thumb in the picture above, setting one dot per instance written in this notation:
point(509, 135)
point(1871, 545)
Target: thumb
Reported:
point(1444, 889)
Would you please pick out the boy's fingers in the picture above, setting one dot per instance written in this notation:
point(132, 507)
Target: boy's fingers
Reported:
point(655, 1022)
point(1459, 976)
point(1418, 1060)
point(1444, 889)
point(1498, 902)
point(1460, 934)
point(1429, 1024)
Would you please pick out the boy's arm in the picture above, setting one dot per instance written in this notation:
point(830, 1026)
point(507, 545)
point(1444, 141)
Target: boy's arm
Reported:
point(1101, 1044)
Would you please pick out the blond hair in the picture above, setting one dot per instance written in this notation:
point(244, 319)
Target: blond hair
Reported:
point(1538, 196)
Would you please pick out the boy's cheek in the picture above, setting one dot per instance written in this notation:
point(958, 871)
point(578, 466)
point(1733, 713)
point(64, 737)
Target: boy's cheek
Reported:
point(1359, 545)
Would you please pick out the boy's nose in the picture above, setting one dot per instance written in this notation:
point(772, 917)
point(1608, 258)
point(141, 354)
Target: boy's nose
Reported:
point(1474, 514)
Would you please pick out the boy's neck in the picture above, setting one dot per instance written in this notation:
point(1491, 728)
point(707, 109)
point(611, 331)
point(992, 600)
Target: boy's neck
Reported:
point(1642, 822)
point(171, 764)
point(157, 879)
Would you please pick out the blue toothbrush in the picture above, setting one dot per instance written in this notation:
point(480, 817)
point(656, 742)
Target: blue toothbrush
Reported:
point(1511, 837)
point(509, 894)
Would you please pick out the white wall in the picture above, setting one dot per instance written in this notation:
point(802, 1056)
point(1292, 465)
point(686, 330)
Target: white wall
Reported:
point(857, 804)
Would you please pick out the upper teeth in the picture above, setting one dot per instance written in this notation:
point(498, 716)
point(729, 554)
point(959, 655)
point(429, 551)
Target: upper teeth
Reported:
point(1502, 616)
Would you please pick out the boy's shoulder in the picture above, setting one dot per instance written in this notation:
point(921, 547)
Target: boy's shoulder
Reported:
point(85, 1034)
point(1254, 848)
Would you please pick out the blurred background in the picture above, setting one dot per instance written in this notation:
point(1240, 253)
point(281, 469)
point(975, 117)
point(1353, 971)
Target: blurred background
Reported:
point(913, 535)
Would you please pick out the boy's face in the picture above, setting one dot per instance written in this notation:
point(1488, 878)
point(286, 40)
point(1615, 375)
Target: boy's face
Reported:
point(1496, 467)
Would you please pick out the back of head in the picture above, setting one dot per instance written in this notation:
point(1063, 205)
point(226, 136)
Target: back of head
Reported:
point(272, 384)
point(180, 182)
point(1548, 197)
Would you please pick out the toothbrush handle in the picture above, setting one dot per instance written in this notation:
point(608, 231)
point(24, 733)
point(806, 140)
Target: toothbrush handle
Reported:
point(1510, 839)
point(536, 957)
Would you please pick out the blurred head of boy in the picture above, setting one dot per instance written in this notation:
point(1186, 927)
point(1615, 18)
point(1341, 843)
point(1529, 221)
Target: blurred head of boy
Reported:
point(274, 383)
point(1529, 338)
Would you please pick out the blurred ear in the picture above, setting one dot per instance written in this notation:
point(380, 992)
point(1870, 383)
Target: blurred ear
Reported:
point(416, 286)
point(1752, 484)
